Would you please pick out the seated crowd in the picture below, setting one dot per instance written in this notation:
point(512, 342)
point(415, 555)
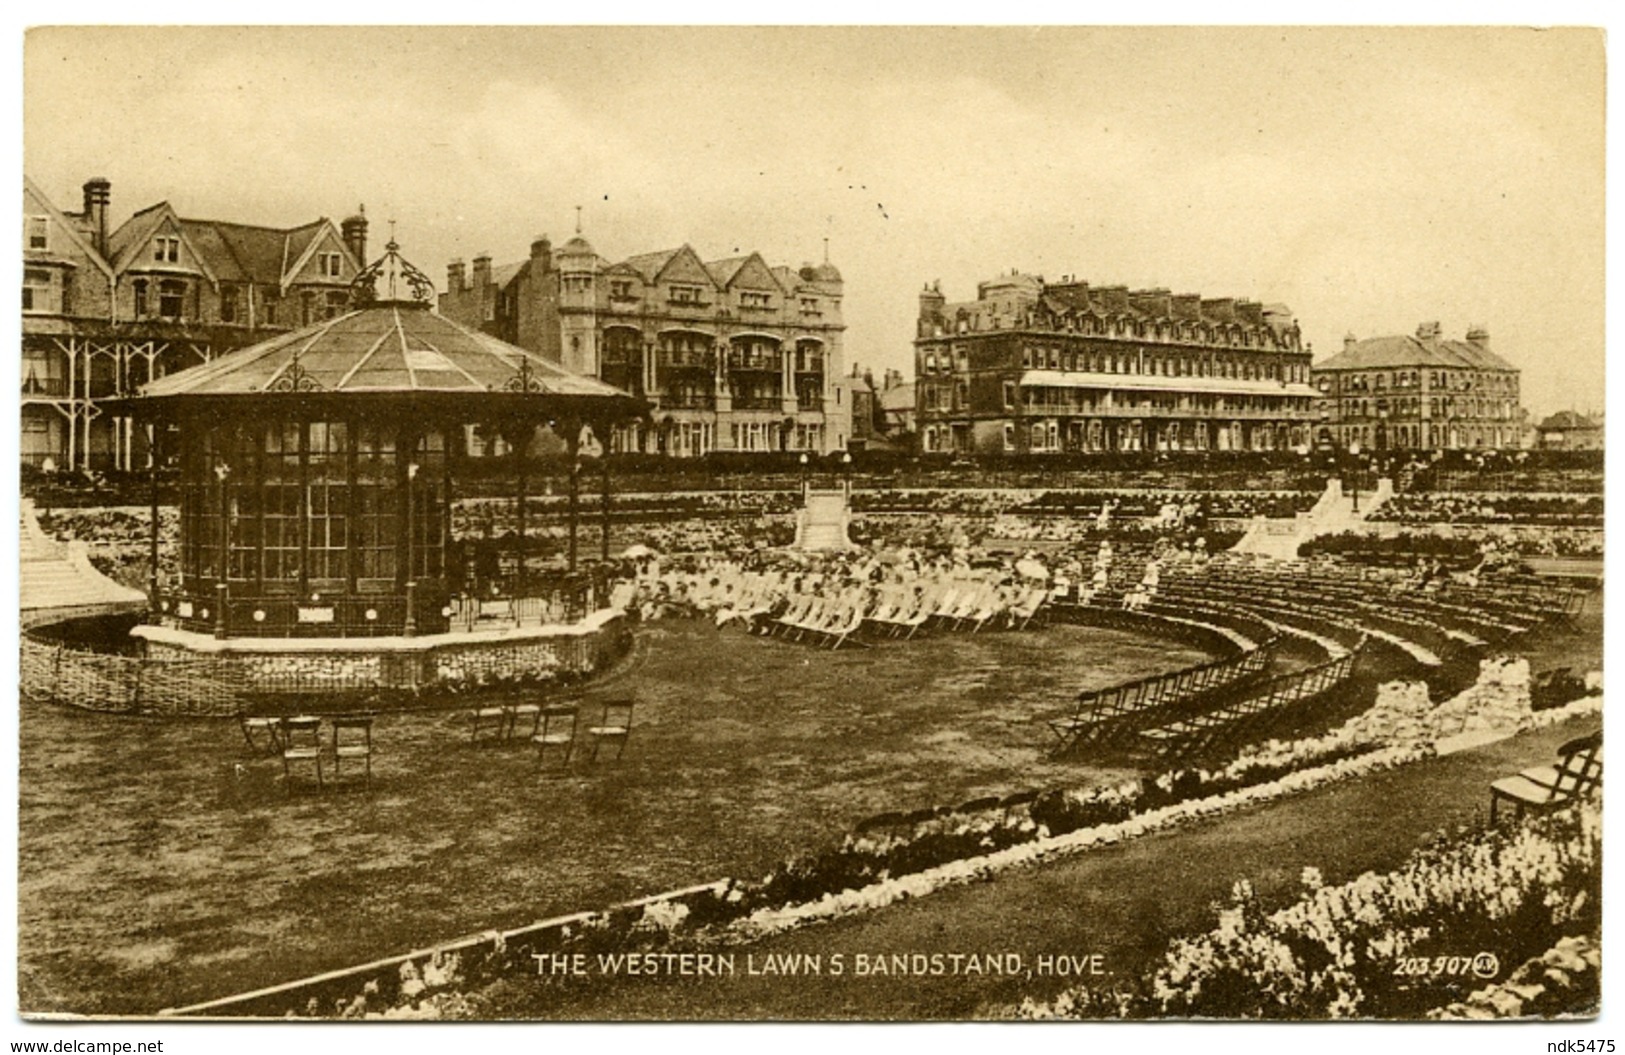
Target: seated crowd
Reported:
point(830, 597)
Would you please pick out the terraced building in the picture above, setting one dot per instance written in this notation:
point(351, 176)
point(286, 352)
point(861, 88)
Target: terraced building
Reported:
point(1046, 368)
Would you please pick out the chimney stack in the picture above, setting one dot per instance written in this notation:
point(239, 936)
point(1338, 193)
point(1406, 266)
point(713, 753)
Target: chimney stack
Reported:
point(482, 271)
point(98, 192)
point(354, 230)
point(454, 276)
point(541, 249)
point(1349, 341)
point(1478, 337)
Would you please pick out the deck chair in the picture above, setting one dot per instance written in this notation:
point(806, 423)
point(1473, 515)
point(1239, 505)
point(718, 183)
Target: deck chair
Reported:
point(263, 733)
point(301, 742)
point(556, 727)
point(615, 725)
point(352, 739)
point(1543, 788)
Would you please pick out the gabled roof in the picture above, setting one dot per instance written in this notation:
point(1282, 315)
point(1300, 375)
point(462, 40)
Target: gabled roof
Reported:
point(747, 272)
point(61, 219)
point(232, 252)
point(649, 265)
point(1405, 352)
point(133, 234)
point(724, 270)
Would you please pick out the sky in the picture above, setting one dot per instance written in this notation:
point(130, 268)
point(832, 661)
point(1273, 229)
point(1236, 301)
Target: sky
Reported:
point(1371, 179)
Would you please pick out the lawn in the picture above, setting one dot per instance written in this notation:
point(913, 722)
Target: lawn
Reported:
point(161, 864)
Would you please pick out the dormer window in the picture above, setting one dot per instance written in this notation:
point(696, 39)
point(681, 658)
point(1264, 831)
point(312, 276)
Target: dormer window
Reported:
point(755, 300)
point(38, 232)
point(329, 265)
point(620, 289)
point(809, 306)
point(166, 250)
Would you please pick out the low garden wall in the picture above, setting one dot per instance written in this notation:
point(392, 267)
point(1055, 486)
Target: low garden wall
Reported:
point(185, 674)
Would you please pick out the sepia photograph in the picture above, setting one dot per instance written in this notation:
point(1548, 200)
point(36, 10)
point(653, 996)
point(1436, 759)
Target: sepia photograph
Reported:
point(805, 524)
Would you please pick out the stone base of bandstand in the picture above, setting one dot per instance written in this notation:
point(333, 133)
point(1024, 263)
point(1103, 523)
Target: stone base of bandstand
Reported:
point(463, 659)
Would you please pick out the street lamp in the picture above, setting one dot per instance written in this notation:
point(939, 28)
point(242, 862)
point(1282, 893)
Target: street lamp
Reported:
point(410, 628)
point(804, 470)
point(1354, 472)
point(222, 472)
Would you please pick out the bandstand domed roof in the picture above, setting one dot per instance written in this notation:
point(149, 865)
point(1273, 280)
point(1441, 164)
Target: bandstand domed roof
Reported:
point(390, 342)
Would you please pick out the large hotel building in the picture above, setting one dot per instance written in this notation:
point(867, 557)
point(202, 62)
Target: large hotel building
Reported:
point(1423, 391)
point(1037, 367)
point(735, 354)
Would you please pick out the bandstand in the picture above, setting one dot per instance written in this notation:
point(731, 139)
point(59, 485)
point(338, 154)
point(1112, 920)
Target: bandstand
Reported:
point(317, 474)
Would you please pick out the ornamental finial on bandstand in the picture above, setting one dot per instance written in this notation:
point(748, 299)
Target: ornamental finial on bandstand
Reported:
point(524, 378)
point(391, 279)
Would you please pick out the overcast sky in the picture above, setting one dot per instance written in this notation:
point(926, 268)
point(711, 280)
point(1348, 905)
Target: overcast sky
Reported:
point(1370, 179)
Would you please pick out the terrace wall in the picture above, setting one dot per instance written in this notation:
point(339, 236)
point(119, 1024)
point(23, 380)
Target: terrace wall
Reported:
point(221, 678)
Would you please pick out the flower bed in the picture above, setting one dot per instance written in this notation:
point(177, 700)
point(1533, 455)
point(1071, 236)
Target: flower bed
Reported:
point(1346, 951)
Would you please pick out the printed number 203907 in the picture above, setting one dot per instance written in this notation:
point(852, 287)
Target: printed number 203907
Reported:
point(1481, 965)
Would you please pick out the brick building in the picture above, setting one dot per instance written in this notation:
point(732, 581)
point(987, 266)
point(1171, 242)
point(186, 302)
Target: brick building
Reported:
point(1037, 367)
point(1420, 392)
point(107, 309)
point(734, 354)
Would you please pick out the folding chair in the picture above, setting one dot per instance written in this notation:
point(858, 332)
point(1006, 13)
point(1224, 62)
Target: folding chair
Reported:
point(518, 712)
point(616, 725)
point(496, 721)
point(301, 742)
point(359, 745)
point(264, 734)
point(556, 726)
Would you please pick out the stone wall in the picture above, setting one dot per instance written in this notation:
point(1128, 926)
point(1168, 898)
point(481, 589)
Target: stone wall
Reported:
point(191, 674)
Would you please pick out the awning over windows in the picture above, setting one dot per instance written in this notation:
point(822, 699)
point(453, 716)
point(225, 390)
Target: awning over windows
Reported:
point(1156, 383)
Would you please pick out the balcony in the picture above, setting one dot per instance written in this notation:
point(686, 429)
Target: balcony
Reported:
point(755, 364)
point(687, 361)
point(686, 401)
point(756, 402)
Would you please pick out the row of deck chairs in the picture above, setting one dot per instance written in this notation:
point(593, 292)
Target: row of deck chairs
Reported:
point(901, 612)
point(1266, 708)
point(971, 606)
point(822, 620)
point(1111, 715)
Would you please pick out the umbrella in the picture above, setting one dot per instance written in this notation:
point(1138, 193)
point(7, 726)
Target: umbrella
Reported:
point(1032, 569)
point(637, 551)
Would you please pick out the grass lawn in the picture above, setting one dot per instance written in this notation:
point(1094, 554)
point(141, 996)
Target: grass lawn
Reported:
point(161, 864)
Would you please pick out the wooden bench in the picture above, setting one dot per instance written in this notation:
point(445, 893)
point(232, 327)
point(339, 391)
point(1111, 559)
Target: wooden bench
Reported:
point(1542, 788)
